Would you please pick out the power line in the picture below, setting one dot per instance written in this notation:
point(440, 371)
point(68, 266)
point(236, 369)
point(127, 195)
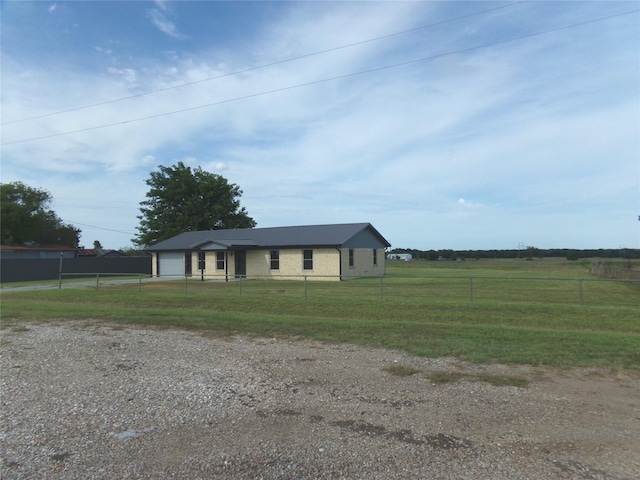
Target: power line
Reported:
point(98, 228)
point(316, 82)
point(251, 69)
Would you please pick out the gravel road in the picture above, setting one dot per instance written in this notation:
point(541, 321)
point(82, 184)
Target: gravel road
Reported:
point(86, 400)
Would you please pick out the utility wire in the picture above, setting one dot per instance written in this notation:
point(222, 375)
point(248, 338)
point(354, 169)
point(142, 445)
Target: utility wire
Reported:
point(99, 228)
point(251, 69)
point(316, 82)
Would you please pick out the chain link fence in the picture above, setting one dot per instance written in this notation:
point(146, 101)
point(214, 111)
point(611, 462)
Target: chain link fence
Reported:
point(429, 289)
point(627, 270)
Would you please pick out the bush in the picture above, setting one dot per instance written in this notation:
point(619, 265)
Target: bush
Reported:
point(573, 255)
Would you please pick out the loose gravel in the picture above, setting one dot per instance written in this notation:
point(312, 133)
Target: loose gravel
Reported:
point(88, 400)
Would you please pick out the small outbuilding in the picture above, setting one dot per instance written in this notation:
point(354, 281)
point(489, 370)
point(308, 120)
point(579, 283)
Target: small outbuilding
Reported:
point(407, 257)
point(324, 252)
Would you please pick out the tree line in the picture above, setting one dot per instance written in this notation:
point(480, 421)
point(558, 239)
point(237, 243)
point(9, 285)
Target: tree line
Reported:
point(528, 253)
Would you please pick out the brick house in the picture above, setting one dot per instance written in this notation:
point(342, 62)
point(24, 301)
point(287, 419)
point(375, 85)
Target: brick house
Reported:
point(321, 252)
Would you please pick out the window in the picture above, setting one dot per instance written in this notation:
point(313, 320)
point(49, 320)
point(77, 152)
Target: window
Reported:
point(351, 258)
point(275, 259)
point(375, 256)
point(187, 263)
point(219, 260)
point(201, 260)
point(307, 259)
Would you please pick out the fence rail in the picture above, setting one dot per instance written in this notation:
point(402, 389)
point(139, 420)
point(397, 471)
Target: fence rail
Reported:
point(472, 289)
point(107, 278)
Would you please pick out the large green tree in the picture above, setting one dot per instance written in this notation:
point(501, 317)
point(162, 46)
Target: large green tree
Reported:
point(27, 217)
point(182, 199)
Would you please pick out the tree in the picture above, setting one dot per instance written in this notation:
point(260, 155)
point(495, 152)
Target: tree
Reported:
point(533, 252)
point(27, 217)
point(97, 245)
point(182, 200)
point(573, 255)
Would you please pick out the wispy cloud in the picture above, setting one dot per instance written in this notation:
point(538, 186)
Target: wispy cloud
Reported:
point(162, 5)
point(158, 17)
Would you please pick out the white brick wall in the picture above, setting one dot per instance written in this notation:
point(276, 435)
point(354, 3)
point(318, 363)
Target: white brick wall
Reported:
point(327, 263)
point(363, 263)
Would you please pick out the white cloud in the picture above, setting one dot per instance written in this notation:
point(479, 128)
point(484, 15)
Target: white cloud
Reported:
point(162, 23)
point(216, 167)
point(53, 8)
point(162, 5)
point(128, 74)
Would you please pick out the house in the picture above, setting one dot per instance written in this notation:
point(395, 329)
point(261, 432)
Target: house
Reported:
point(325, 252)
point(99, 252)
point(407, 257)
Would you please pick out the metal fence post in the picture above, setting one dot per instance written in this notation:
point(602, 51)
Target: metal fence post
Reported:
point(185, 283)
point(381, 289)
point(60, 272)
point(240, 284)
point(305, 286)
point(471, 289)
point(139, 283)
point(97, 281)
point(580, 292)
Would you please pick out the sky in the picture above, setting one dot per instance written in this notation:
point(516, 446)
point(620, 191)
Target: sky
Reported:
point(447, 125)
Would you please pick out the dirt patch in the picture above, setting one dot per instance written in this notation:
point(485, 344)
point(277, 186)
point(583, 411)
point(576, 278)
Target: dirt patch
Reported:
point(85, 400)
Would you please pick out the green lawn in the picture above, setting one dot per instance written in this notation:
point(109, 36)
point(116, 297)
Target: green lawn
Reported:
point(520, 311)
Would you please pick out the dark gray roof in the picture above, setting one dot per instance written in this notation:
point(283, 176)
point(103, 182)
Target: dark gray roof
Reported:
point(335, 235)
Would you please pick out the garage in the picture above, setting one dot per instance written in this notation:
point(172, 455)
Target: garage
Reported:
point(170, 263)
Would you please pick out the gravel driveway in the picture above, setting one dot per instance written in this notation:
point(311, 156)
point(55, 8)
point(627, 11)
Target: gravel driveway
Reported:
point(87, 400)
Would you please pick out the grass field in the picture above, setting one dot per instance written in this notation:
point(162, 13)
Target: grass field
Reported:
point(512, 311)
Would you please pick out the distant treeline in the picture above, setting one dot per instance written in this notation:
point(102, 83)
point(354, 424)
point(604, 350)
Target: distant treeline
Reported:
point(527, 253)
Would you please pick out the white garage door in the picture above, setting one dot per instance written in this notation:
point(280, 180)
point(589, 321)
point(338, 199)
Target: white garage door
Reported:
point(171, 263)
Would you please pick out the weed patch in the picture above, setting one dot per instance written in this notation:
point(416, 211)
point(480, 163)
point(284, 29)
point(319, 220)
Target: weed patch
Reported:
point(442, 377)
point(400, 370)
point(19, 329)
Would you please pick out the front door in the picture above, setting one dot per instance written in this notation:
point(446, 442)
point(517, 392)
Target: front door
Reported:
point(241, 263)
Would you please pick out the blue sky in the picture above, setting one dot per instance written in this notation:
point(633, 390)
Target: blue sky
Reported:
point(462, 125)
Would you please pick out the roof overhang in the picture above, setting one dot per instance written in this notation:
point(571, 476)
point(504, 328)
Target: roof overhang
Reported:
point(223, 245)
